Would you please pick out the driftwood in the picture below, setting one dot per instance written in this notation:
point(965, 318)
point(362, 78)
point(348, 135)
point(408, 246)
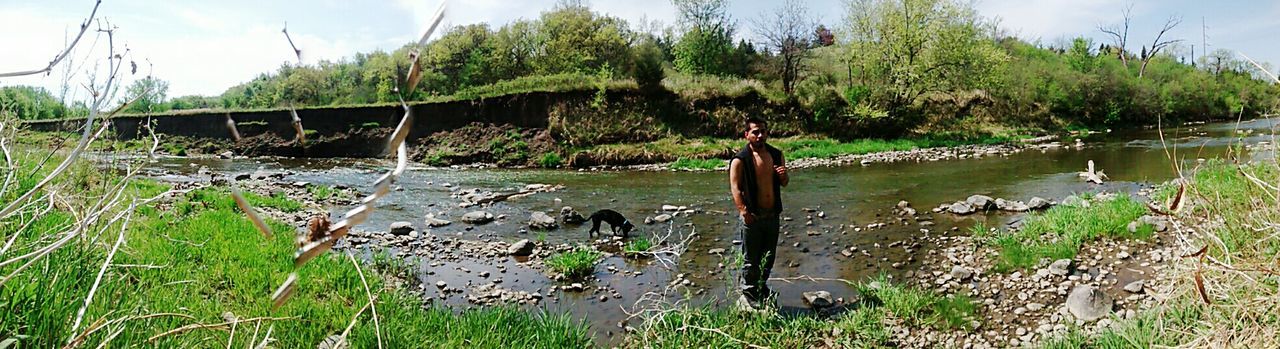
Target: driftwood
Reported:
point(1092, 175)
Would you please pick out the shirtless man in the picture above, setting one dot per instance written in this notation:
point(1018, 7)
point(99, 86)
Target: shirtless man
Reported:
point(756, 175)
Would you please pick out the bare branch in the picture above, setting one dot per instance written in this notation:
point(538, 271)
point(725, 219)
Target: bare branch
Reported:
point(84, 26)
point(296, 50)
point(1120, 34)
point(1157, 45)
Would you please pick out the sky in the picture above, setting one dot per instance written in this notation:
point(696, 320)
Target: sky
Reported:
point(205, 47)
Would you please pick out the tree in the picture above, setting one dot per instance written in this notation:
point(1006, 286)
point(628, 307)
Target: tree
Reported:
point(575, 39)
point(1157, 45)
point(1120, 34)
point(786, 31)
point(648, 66)
point(823, 36)
point(30, 103)
point(1079, 57)
point(707, 43)
point(149, 93)
point(911, 47)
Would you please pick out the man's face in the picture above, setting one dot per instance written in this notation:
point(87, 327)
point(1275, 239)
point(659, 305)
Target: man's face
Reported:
point(757, 133)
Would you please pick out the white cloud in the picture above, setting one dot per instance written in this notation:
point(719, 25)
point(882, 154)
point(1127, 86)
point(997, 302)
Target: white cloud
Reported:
point(1051, 19)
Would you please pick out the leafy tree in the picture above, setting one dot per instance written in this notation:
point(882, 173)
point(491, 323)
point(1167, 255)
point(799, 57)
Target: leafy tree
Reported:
point(912, 47)
point(707, 43)
point(30, 103)
point(648, 66)
point(576, 40)
point(147, 94)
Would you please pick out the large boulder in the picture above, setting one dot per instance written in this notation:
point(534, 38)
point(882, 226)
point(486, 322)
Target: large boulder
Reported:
point(401, 228)
point(961, 208)
point(662, 218)
point(477, 217)
point(818, 299)
point(521, 248)
point(570, 216)
point(981, 202)
point(542, 221)
point(1075, 201)
point(960, 273)
point(1088, 303)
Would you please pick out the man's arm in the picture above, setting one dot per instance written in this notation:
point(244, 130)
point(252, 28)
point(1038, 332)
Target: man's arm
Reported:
point(735, 174)
point(781, 170)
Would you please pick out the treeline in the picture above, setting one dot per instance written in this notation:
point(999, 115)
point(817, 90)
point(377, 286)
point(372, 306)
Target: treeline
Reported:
point(893, 66)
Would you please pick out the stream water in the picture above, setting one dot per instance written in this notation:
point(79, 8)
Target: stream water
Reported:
point(849, 197)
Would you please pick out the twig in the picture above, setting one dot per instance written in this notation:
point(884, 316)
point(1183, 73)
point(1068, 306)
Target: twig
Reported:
point(98, 281)
point(191, 327)
point(373, 308)
point(84, 26)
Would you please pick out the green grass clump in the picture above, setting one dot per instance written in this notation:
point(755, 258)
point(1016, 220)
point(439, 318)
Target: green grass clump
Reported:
point(637, 245)
point(698, 164)
point(1060, 232)
point(576, 264)
point(321, 192)
point(920, 307)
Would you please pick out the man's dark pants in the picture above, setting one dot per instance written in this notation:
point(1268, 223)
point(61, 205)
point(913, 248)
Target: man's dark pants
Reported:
point(759, 245)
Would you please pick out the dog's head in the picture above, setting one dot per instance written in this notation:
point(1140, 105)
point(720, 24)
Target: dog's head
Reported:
point(626, 227)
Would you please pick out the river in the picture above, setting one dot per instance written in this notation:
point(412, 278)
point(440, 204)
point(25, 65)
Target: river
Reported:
point(850, 198)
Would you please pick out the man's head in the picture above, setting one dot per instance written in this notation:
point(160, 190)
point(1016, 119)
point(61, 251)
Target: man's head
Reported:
point(757, 131)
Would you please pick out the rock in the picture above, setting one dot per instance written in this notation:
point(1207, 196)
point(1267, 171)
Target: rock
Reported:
point(648, 220)
point(1034, 306)
point(1134, 287)
point(1074, 201)
point(570, 216)
point(226, 155)
point(1060, 267)
point(401, 228)
point(960, 273)
point(1088, 303)
point(243, 176)
point(961, 208)
point(981, 202)
point(903, 204)
point(818, 299)
point(433, 222)
point(441, 284)
point(662, 218)
point(715, 251)
point(336, 341)
point(477, 217)
point(1036, 203)
point(1012, 206)
point(521, 248)
point(541, 221)
point(670, 208)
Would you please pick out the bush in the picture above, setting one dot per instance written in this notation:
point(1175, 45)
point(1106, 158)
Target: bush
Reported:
point(550, 160)
point(648, 67)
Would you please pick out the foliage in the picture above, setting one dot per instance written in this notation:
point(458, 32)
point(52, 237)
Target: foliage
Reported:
point(706, 47)
point(148, 95)
point(30, 103)
point(648, 71)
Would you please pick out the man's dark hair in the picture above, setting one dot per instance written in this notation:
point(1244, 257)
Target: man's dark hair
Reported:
point(754, 120)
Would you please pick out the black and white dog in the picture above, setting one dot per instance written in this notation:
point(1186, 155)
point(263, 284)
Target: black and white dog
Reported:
point(616, 221)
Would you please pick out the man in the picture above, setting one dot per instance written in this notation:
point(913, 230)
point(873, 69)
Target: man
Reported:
point(756, 175)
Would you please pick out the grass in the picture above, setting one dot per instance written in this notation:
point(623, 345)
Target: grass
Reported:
point(863, 326)
point(321, 192)
point(576, 264)
point(201, 258)
point(1060, 232)
point(637, 245)
point(698, 164)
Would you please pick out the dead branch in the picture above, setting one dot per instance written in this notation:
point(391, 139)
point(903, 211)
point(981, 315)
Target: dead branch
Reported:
point(1157, 45)
point(84, 26)
point(1120, 34)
